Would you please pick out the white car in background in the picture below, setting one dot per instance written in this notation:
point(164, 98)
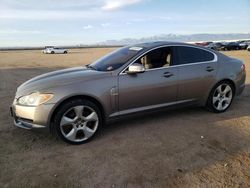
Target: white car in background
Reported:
point(52, 50)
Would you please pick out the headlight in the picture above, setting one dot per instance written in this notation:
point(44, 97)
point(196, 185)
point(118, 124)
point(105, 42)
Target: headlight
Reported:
point(34, 99)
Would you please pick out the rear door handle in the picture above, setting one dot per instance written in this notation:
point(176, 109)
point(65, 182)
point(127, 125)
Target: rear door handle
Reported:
point(168, 74)
point(209, 69)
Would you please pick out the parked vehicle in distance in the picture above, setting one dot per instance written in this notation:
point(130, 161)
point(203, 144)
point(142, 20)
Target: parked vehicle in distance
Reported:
point(49, 47)
point(212, 46)
point(203, 43)
point(219, 45)
point(230, 46)
point(53, 50)
point(243, 45)
point(75, 103)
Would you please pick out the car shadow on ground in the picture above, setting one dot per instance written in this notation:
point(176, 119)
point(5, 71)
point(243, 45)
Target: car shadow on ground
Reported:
point(153, 149)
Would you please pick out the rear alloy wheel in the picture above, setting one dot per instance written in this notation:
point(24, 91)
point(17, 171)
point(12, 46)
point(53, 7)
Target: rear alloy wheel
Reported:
point(78, 121)
point(221, 97)
point(65, 52)
point(52, 52)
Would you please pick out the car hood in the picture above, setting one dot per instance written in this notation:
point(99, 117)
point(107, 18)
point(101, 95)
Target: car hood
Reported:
point(57, 78)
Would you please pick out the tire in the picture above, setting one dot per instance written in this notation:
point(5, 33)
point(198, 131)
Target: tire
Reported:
point(220, 97)
point(65, 52)
point(52, 52)
point(78, 121)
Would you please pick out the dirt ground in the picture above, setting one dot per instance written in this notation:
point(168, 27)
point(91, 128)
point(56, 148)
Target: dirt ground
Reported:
point(182, 148)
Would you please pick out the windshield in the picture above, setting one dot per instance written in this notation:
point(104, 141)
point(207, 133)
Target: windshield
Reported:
point(115, 59)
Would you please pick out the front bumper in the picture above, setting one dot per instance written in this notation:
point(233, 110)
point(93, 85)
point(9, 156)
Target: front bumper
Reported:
point(31, 117)
point(26, 124)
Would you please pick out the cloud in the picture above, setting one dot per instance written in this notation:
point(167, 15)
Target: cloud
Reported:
point(166, 18)
point(66, 4)
point(88, 27)
point(48, 14)
point(128, 23)
point(50, 4)
point(105, 24)
point(61, 9)
point(14, 31)
point(118, 4)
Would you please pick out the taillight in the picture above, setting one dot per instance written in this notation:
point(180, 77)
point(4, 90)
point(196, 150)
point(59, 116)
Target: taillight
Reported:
point(243, 67)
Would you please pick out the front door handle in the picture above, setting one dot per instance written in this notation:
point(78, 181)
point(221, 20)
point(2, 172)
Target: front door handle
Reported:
point(209, 69)
point(168, 74)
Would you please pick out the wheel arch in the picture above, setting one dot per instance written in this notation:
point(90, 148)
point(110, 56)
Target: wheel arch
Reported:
point(220, 81)
point(227, 80)
point(83, 97)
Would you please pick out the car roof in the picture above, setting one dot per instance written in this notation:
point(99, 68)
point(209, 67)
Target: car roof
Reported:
point(151, 45)
point(161, 43)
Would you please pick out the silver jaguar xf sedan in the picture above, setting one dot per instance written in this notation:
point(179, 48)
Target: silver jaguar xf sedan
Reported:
point(75, 103)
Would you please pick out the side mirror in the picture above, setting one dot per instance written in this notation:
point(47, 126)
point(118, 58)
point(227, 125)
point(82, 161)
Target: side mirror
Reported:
point(135, 68)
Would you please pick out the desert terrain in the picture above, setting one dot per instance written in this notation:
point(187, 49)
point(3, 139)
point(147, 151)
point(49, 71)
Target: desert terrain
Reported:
point(188, 147)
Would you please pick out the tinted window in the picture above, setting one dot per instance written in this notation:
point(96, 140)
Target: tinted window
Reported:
point(161, 57)
point(193, 55)
point(115, 59)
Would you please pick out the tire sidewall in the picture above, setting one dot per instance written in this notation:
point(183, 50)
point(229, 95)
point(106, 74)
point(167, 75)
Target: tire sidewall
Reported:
point(65, 107)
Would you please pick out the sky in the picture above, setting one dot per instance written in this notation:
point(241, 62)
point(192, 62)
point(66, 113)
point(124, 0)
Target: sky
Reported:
point(72, 22)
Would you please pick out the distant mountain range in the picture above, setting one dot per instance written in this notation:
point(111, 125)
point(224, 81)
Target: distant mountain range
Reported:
point(179, 38)
point(163, 37)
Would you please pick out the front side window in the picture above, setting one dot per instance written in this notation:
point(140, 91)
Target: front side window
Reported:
point(158, 58)
point(115, 59)
point(188, 55)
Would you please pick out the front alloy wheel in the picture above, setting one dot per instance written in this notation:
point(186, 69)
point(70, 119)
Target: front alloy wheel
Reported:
point(78, 121)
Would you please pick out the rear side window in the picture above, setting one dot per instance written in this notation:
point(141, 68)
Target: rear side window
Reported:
point(188, 55)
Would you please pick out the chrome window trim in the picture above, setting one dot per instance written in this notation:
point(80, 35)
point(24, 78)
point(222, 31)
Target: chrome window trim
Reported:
point(163, 46)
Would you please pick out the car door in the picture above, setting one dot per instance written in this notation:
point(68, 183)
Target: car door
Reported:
point(197, 72)
point(156, 87)
point(58, 50)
